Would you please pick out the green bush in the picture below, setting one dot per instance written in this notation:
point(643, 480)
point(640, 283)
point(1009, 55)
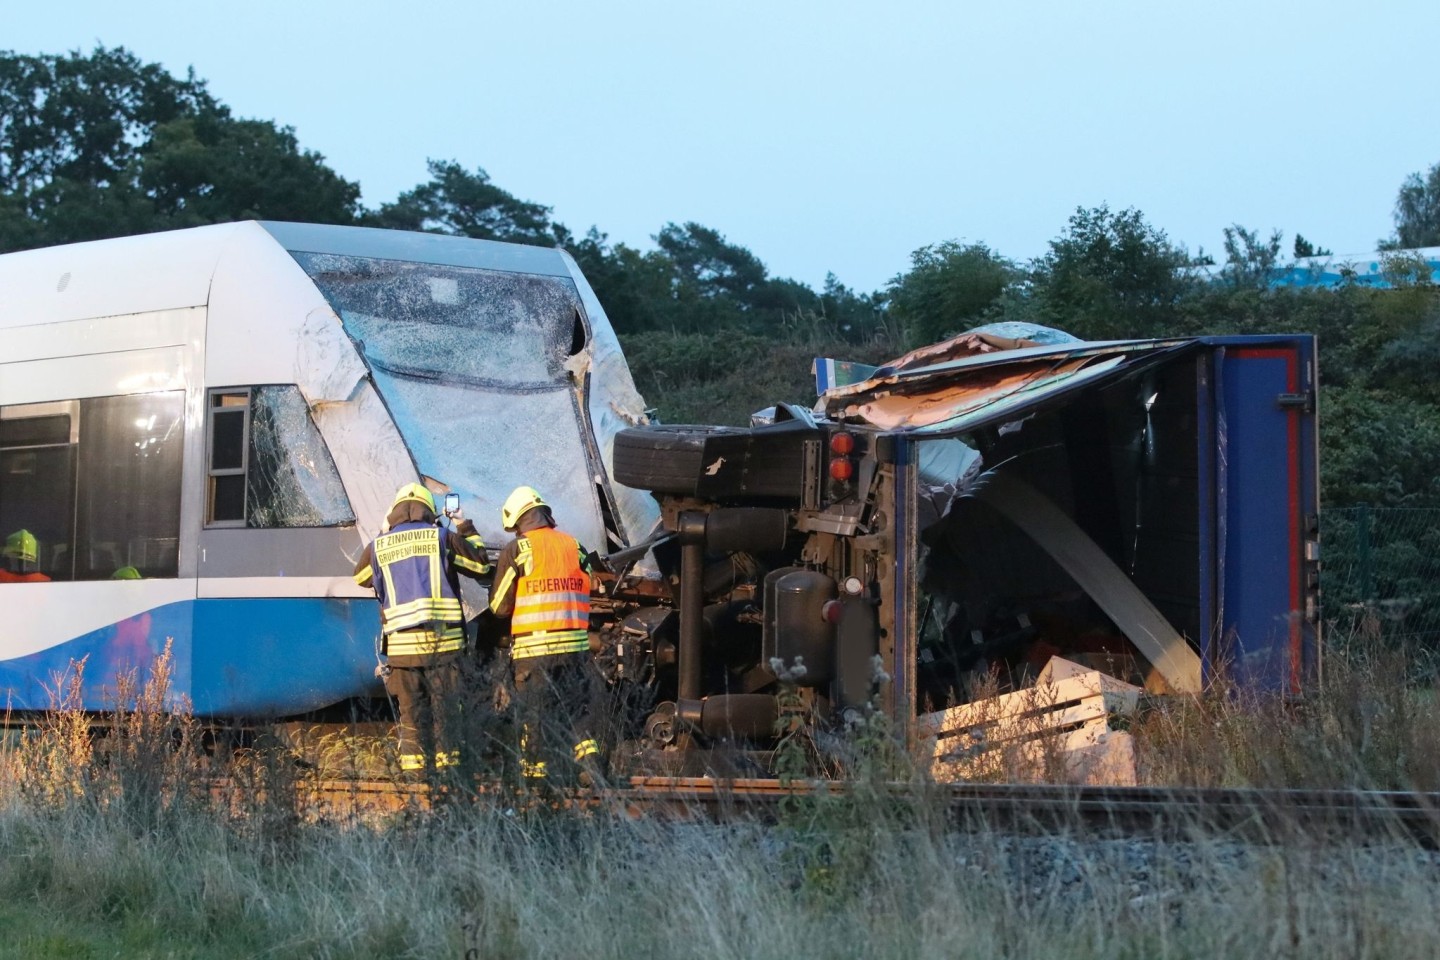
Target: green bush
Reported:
point(722, 379)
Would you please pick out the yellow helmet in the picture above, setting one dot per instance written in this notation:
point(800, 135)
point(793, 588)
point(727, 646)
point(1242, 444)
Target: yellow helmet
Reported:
point(416, 492)
point(520, 500)
point(126, 573)
point(21, 545)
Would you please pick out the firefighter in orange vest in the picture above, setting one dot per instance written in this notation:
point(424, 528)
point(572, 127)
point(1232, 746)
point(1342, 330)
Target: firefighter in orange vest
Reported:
point(21, 552)
point(542, 583)
point(414, 569)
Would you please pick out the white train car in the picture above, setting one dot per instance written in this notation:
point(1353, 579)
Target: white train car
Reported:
point(229, 409)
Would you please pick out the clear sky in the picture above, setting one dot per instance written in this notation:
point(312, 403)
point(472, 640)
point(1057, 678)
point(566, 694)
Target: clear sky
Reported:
point(832, 136)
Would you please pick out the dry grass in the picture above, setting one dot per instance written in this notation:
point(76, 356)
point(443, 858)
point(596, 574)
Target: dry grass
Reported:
point(1363, 727)
point(113, 853)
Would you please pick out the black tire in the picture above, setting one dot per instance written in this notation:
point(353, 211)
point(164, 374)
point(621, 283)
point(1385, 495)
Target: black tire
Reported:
point(666, 458)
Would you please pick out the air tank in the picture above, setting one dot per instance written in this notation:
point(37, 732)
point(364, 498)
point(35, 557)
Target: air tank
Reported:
point(795, 624)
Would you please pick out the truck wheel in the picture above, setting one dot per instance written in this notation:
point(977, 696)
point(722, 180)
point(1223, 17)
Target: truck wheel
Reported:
point(666, 458)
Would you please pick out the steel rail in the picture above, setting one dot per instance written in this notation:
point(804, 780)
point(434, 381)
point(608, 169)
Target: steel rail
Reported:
point(1256, 814)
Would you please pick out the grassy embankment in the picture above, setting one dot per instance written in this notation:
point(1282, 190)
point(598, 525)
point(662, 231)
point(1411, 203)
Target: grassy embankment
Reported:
point(114, 852)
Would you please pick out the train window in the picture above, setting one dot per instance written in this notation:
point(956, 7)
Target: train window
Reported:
point(96, 483)
point(268, 465)
point(229, 422)
point(37, 482)
point(127, 505)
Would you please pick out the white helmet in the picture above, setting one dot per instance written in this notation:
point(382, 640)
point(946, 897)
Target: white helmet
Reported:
point(520, 501)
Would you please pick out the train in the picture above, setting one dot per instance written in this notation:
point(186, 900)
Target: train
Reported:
point(200, 429)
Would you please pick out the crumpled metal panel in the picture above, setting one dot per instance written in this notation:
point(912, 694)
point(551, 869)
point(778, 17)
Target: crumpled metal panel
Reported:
point(483, 445)
point(268, 323)
point(287, 308)
point(948, 387)
point(368, 452)
point(840, 378)
point(1019, 330)
point(971, 343)
point(947, 403)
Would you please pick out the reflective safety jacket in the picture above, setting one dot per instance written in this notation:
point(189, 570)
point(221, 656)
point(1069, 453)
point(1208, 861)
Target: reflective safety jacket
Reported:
point(413, 569)
point(544, 586)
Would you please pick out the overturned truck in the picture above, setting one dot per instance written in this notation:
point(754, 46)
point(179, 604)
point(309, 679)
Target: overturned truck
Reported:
point(939, 529)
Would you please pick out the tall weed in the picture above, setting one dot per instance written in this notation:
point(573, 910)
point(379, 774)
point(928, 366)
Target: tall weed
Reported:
point(1363, 726)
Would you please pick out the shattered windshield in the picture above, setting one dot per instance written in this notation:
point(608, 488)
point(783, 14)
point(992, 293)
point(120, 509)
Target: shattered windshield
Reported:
point(484, 328)
point(471, 364)
point(292, 481)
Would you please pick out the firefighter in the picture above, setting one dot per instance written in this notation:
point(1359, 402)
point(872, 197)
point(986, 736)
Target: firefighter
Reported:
point(543, 585)
point(414, 567)
point(21, 553)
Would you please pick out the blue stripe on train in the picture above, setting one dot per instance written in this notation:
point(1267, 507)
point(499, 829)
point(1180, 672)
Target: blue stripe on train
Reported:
point(232, 657)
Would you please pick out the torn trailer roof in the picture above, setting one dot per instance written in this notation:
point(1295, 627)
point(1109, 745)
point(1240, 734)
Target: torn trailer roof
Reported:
point(975, 378)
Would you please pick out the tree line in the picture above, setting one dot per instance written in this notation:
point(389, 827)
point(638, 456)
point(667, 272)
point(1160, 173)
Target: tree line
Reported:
point(103, 144)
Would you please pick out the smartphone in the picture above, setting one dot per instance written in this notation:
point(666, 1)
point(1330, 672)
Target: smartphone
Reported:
point(452, 504)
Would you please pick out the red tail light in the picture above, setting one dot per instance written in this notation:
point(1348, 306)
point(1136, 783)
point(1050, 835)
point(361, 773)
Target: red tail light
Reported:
point(842, 469)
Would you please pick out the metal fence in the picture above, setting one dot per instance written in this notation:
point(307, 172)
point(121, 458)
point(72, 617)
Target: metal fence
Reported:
point(1381, 566)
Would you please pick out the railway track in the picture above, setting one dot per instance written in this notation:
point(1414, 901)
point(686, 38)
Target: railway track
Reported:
point(1255, 814)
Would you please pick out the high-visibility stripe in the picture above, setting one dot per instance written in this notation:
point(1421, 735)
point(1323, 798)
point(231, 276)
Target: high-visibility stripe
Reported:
point(412, 761)
point(465, 563)
point(549, 644)
point(444, 759)
point(424, 610)
point(389, 594)
point(552, 611)
point(417, 643)
point(563, 610)
point(497, 592)
point(480, 565)
point(586, 748)
point(446, 605)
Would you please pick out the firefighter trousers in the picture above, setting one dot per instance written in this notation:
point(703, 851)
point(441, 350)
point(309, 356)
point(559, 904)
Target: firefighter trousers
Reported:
point(555, 697)
point(427, 699)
